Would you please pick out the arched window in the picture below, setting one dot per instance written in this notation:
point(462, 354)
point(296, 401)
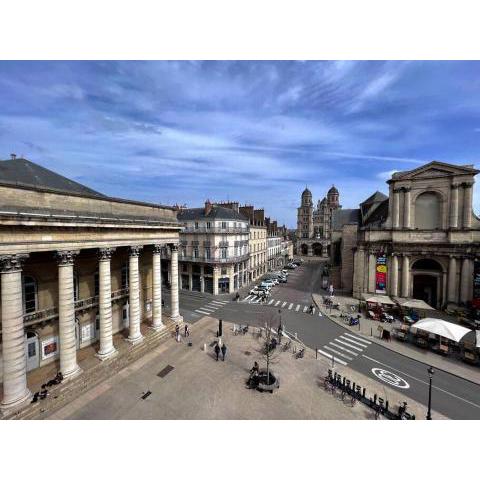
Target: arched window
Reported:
point(427, 211)
point(29, 294)
point(125, 276)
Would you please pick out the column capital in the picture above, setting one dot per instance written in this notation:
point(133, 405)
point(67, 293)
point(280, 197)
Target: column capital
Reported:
point(467, 184)
point(157, 248)
point(405, 189)
point(454, 186)
point(397, 190)
point(173, 247)
point(105, 253)
point(66, 257)
point(135, 250)
point(12, 263)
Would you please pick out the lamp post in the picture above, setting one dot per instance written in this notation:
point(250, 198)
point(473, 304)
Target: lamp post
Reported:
point(430, 376)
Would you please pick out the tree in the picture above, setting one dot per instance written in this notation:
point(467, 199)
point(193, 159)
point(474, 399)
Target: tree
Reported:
point(271, 321)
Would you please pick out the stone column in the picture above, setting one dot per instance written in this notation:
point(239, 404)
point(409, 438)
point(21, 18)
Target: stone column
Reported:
point(406, 276)
point(394, 276)
point(454, 207)
point(66, 314)
point(465, 280)
point(135, 335)
point(157, 323)
point(15, 390)
point(407, 221)
point(105, 304)
point(215, 280)
point(467, 205)
point(452, 280)
point(372, 265)
point(396, 208)
point(175, 312)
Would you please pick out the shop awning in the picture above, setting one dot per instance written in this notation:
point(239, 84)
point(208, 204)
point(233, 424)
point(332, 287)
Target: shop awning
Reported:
point(443, 328)
point(413, 303)
point(383, 299)
point(478, 338)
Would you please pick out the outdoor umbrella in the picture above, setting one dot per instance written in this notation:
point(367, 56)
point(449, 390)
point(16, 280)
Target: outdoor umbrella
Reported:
point(442, 328)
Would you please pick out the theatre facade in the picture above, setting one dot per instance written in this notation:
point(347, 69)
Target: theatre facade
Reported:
point(423, 240)
point(76, 267)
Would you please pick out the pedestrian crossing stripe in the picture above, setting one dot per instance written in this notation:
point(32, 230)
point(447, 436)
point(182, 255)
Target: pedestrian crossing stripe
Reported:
point(201, 311)
point(277, 303)
point(305, 309)
point(290, 306)
point(353, 341)
point(313, 311)
point(338, 353)
point(328, 355)
point(343, 349)
point(298, 308)
point(283, 304)
point(348, 344)
point(358, 338)
point(217, 303)
point(247, 298)
point(208, 309)
point(270, 302)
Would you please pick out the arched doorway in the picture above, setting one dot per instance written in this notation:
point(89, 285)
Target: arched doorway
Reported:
point(317, 249)
point(427, 276)
point(304, 249)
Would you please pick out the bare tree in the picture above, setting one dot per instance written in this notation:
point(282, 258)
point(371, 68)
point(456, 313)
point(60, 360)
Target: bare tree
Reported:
point(271, 320)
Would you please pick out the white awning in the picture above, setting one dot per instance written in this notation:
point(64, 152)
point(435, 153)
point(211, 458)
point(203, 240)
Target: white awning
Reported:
point(383, 299)
point(478, 338)
point(414, 303)
point(443, 328)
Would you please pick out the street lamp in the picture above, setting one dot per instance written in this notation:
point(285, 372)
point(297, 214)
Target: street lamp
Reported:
point(430, 371)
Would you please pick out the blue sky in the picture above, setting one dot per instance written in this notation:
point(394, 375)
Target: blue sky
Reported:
point(256, 132)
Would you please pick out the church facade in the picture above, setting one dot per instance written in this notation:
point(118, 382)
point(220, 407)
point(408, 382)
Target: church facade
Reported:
point(423, 241)
point(314, 225)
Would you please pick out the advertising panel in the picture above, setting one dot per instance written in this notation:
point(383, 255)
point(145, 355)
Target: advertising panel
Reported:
point(381, 275)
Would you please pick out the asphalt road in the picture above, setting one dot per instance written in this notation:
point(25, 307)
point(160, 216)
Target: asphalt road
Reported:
point(452, 396)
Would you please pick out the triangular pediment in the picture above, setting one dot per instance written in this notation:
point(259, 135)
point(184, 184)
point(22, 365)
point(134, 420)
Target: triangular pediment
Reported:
point(435, 169)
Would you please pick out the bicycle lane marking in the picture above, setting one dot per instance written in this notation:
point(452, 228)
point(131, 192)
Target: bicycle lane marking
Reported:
point(422, 381)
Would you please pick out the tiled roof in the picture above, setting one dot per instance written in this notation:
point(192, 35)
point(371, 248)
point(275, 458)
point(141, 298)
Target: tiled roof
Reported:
point(216, 213)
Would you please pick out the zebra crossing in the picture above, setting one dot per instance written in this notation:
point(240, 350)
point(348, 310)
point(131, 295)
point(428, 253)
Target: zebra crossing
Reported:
point(211, 307)
point(345, 348)
point(273, 302)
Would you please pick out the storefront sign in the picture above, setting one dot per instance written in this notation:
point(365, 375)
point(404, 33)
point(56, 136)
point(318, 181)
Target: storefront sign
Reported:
point(381, 275)
point(476, 284)
point(49, 347)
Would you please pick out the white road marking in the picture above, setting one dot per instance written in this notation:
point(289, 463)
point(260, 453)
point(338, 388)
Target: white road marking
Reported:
point(290, 306)
point(353, 341)
point(210, 309)
point(390, 378)
point(338, 353)
point(319, 314)
point(276, 304)
point(421, 381)
point(305, 309)
point(325, 354)
point(283, 304)
point(246, 299)
point(256, 300)
point(358, 338)
point(271, 301)
point(298, 308)
point(313, 311)
point(201, 311)
point(348, 344)
point(343, 348)
point(217, 303)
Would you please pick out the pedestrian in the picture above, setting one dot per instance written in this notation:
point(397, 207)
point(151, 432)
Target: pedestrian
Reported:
point(177, 332)
point(224, 351)
point(237, 296)
point(330, 290)
point(217, 351)
point(187, 331)
point(280, 333)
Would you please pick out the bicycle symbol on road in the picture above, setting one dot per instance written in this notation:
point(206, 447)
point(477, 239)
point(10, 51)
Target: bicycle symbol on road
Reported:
point(390, 378)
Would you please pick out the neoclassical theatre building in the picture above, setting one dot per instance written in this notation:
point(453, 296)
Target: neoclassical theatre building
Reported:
point(76, 267)
point(314, 225)
point(423, 240)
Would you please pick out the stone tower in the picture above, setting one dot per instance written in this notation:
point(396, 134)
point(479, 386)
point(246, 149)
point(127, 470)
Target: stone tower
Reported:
point(305, 216)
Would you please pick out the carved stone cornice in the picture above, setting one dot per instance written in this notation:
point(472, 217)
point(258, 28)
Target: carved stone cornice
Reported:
point(135, 250)
point(106, 253)
point(12, 263)
point(66, 257)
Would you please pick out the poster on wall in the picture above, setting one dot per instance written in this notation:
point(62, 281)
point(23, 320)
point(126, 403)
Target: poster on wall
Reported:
point(381, 275)
point(49, 347)
point(476, 284)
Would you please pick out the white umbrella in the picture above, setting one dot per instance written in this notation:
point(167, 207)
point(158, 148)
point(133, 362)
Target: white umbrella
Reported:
point(443, 328)
point(414, 303)
point(478, 338)
point(383, 299)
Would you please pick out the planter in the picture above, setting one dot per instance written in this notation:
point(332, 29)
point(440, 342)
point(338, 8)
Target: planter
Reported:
point(263, 386)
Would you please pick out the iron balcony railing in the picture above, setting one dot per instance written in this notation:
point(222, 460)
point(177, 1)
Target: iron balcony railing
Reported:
point(213, 259)
point(82, 304)
point(214, 230)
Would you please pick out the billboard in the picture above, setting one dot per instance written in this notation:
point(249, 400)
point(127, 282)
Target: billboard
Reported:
point(476, 284)
point(381, 274)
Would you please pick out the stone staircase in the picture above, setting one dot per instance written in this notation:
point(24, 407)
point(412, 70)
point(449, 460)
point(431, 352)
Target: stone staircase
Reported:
point(60, 395)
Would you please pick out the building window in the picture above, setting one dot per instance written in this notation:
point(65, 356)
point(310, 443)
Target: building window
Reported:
point(223, 252)
point(195, 252)
point(29, 294)
point(224, 271)
point(96, 284)
point(196, 225)
point(125, 276)
point(207, 253)
point(209, 225)
point(184, 251)
point(76, 285)
point(224, 225)
point(427, 211)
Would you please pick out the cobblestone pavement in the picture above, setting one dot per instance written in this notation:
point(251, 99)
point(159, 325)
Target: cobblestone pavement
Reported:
point(199, 387)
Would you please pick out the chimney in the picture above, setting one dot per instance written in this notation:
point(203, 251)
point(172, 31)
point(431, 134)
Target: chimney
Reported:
point(13, 156)
point(208, 207)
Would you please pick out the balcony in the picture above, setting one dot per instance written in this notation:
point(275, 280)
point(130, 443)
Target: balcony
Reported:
point(215, 230)
point(80, 305)
point(214, 259)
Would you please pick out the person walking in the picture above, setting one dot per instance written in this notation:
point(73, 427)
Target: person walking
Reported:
point(280, 333)
point(187, 331)
point(217, 351)
point(177, 332)
point(224, 351)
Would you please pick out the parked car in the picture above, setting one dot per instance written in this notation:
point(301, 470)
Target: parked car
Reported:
point(267, 283)
point(272, 278)
point(255, 291)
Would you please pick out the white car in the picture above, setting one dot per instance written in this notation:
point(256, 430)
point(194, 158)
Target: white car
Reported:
point(268, 283)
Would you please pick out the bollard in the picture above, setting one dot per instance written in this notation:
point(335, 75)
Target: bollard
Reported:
point(386, 405)
point(371, 331)
point(344, 381)
point(353, 386)
point(204, 347)
point(375, 399)
point(316, 354)
point(296, 338)
point(364, 392)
